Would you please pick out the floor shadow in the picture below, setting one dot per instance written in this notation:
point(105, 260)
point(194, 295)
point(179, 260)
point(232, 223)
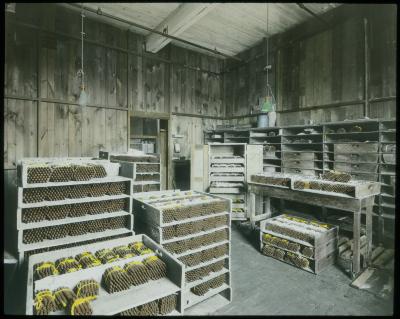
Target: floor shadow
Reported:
point(248, 233)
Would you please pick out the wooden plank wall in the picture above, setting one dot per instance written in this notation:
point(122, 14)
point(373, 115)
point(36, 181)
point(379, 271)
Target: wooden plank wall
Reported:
point(41, 115)
point(318, 75)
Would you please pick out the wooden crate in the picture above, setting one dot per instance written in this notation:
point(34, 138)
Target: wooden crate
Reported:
point(110, 304)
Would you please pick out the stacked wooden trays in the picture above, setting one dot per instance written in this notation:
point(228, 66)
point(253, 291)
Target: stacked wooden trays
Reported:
point(151, 220)
point(65, 204)
point(106, 303)
point(279, 238)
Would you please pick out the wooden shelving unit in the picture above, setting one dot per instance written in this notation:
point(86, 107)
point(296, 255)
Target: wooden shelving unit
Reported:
point(363, 148)
point(92, 209)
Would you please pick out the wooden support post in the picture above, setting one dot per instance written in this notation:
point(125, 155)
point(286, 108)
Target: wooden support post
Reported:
point(267, 207)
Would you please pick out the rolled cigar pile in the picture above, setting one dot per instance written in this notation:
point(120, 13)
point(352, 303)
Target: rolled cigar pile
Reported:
point(201, 272)
point(68, 264)
point(167, 304)
point(106, 255)
point(80, 191)
point(268, 250)
point(116, 205)
point(44, 302)
point(282, 243)
point(135, 311)
point(100, 189)
point(34, 215)
point(87, 288)
point(87, 260)
point(203, 288)
point(33, 195)
point(116, 188)
point(308, 251)
point(180, 212)
point(290, 232)
point(82, 172)
point(116, 279)
point(162, 306)
point(138, 273)
point(183, 229)
point(156, 267)
point(124, 251)
point(343, 189)
point(81, 306)
point(78, 210)
point(58, 212)
point(280, 181)
point(139, 248)
point(149, 309)
point(63, 296)
point(30, 236)
point(54, 232)
point(297, 260)
point(192, 259)
point(220, 251)
point(56, 193)
point(205, 255)
point(77, 229)
point(38, 174)
point(99, 171)
point(61, 173)
point(279, 253)
point(44, 269)
point(336, 176)
point(144, 168)
point(117, 222)
point(168, 232)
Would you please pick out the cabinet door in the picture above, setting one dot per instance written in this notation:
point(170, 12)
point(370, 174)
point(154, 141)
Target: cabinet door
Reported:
point(199, 168)
point(254, 160)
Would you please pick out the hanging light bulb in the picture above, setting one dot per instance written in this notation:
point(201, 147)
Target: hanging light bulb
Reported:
point(83, 97)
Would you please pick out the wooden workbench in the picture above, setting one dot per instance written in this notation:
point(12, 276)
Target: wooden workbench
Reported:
point(324, 199)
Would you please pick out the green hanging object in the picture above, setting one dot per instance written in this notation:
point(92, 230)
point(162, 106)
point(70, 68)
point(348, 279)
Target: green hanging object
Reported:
point(269, 103)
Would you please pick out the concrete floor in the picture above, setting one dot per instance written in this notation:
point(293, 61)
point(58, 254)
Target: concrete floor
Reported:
point(264, 286)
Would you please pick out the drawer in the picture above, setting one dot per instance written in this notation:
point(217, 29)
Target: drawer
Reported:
point(357, 167)
point(364, 177)
point(298, 156)
point(308, 172)
point(310, 164)
point(356, 148)
point(357, 157)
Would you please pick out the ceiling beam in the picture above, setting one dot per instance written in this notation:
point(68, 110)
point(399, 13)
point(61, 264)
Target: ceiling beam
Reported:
point(176, 23)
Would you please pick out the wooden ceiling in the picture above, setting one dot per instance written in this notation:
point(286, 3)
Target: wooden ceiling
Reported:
point(229, 27)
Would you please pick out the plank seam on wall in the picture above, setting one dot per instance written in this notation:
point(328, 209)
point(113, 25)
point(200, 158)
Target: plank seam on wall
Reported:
point(55, 101)
point(127, 51)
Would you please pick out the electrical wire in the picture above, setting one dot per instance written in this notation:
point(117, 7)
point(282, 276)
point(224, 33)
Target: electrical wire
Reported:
point(82, 33)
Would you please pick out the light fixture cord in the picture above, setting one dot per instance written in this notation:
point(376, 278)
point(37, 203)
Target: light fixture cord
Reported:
point(267, 43)
point(83, 74)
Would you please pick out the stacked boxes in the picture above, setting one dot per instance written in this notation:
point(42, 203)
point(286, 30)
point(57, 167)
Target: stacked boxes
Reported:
point(143, 170)
point(228, 175)
point(195, 228)
point(69, 200)
point(306, 244)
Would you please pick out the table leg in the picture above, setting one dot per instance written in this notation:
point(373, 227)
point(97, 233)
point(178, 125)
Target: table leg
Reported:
point(252, 209)
point(368, 230)
point(267, 209)
point(356, 239)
